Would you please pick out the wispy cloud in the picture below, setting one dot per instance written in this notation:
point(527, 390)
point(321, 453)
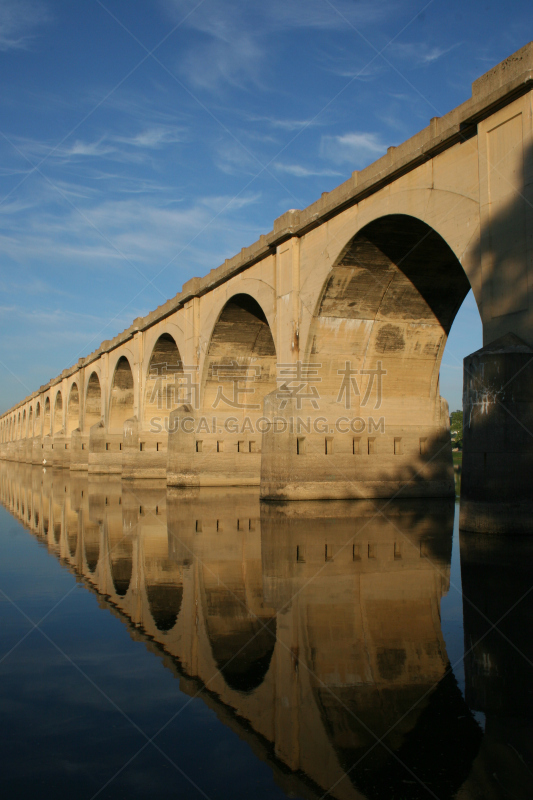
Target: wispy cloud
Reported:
point(117, 233)
point(233, 159)
point(229, 203)
point(357, 148)
point(111, 147)
point(18, 21)
point(283, 124)
point(153, 138)
point(305, 172)
point(420, 53)
point(220, 62)
point(238, 33)
point(221, 20)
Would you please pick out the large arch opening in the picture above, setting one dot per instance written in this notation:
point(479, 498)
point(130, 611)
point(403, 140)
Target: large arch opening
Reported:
point(73, 409)
point(121, 401)
point(57, 424)
point(373, 353)
point(161, 393)
point(392, 298)
point(240, 367)
point(46, 418)
point(93, 402)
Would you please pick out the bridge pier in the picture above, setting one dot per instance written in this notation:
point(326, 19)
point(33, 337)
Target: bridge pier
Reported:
point(47, 451)
point(37, 450)
point(205, 451)
point(79, 451)
point(144, 454)
point(105, 451)
point(496, 495)
point(28, 449)
point(332, 457)
point(61, 447)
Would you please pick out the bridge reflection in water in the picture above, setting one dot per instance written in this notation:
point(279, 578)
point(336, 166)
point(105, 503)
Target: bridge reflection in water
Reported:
point(312, 629)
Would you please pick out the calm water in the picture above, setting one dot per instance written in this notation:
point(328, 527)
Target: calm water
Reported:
point(201, 644)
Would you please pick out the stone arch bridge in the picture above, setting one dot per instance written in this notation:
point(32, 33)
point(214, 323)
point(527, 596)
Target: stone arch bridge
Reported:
point(309, 363)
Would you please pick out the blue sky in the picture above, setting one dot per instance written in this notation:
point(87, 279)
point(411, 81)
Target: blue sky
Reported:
point(142, 142)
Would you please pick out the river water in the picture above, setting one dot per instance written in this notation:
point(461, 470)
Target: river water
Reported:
point(198, 644)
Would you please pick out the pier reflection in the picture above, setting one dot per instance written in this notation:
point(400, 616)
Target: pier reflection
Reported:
point(312, 629)
point(497, 577)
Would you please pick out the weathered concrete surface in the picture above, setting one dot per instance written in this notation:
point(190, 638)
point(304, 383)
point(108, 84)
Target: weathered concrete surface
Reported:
point(365, 281)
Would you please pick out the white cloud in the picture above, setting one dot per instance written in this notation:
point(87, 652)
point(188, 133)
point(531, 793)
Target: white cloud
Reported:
point(357, 148)
point(79, 148)
point(420, 53)
point(233, 159)
point(18, 20)
point(305, 172)
point(228, 203)
point(238, 33)
point(153, 138)
point(284, 124)
point(119, 233)
point(111, 147)
point(221, 62)
point(221, 20)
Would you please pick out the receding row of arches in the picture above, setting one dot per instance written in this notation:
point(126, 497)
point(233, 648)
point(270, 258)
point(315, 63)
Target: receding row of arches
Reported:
point(391, 296)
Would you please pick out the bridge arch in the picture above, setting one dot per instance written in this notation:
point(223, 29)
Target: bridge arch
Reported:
point(160, 394)
point(91, 543)
point(390, 297)
point(453, 216)
point(121, 558)
point(72, 530)
point(121, 400)
point(241, 354)
point(47, 420)
point(73, 409)
point(242, 642)
point(37, 425)
point(93, 401)
point(57, 422)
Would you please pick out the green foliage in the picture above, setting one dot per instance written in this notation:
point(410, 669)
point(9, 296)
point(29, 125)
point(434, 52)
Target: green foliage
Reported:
point(456, 428)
